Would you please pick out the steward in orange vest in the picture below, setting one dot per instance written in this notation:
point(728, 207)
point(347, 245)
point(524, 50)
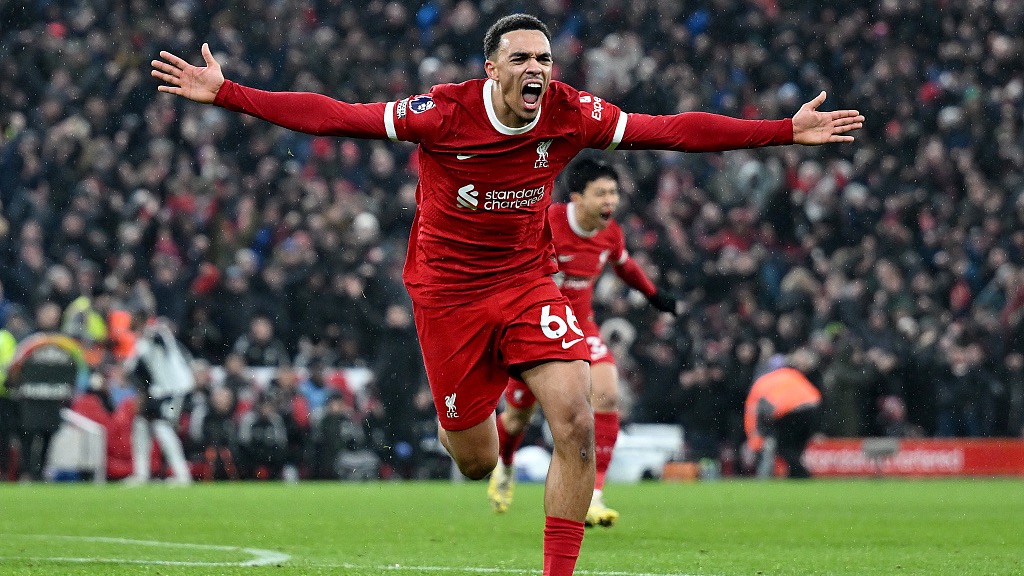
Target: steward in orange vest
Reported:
point(781, 414)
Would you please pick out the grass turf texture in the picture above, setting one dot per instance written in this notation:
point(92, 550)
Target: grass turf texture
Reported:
point(961, 527)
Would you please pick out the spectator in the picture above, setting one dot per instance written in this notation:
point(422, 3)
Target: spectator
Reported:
point(259, 346)
point(341, 447)
point(48, 317)
point(294, 409)
point(700, 394)
point(659, 364)
point(929, 202)
point(237, 377)
point(213, 430)
point(98, 404)
point(846, 387)
point(273, 301)
point(234, 306)
point(314, 387)
point(202, 335)
point(28, 272)
point(262, 440)
point(741, 363)
point(399, 371)
point(198, 399)
point(168, 285)
point(892, 419)
point(19, 322)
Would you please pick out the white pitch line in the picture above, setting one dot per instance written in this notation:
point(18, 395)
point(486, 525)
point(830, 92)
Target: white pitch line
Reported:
point(478, 570)
point(260, 556)
point(263, 557)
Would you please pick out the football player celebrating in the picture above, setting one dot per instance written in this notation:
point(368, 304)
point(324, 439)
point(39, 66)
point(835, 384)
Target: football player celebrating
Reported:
point(586, 237)
point(480, 261)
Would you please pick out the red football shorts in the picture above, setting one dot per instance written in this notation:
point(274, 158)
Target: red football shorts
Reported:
point(518, 394)
point(470, 350)
point(599, 351)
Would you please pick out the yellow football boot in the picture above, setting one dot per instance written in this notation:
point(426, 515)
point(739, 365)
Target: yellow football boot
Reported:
point(501, 487)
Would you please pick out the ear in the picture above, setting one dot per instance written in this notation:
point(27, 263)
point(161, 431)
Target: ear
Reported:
point(491, 69)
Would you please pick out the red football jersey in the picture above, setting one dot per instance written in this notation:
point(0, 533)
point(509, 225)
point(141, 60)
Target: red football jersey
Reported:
point(484, 187)
point(582, 255)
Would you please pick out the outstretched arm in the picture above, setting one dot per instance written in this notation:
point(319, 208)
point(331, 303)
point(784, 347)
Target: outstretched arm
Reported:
point(633, 275)
point(193, 82)
point(811, 127)
point(300, 111)
point(704, 132)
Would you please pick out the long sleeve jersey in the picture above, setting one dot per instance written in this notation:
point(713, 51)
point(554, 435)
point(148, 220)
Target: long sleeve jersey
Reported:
point(484, 187)
point(582, 256)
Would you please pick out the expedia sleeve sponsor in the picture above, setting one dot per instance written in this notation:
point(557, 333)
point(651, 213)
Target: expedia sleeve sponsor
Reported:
point(602, 121)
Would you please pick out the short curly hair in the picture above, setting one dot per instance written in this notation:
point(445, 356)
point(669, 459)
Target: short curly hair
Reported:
point(506, 24)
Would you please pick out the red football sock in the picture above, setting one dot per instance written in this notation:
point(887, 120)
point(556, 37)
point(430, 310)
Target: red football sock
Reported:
point(507, 445)
point(562, 540)
point(606, 431)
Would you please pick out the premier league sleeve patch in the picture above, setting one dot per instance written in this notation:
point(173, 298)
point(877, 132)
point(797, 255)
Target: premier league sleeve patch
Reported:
point(421, 104)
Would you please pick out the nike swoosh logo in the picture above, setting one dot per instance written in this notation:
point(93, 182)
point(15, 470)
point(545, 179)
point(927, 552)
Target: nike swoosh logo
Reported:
point(464, 156)
point(567, 345)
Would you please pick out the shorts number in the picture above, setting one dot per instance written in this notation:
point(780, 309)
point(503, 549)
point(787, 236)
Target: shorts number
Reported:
point(554, 326)
point(597, 347)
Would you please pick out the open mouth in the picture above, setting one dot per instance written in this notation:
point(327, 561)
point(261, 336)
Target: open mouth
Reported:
point(606, 215)
point(531, 93)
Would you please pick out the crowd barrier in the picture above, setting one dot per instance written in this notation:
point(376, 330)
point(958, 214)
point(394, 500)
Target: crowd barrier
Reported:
point(917, 457)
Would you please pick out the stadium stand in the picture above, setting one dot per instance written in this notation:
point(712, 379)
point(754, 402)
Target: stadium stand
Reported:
point(896, 264)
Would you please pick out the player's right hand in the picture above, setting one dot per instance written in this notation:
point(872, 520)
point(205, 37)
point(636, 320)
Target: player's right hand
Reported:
point(193, 82)
point(812, 127)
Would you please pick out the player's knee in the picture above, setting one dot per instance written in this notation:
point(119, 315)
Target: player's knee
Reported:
point(477, 467)
point(605, 403)
point(516, 420)
point(576, 432)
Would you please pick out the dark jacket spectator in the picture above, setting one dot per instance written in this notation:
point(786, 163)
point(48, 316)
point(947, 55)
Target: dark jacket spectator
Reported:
point(260, 346)
point(214, 432)
point(262, 441)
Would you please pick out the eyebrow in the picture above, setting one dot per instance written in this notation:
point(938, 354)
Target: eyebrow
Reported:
point(524, 53)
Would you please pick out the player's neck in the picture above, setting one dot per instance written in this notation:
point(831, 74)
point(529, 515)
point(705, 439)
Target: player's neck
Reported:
point(578, 224)
point(503, 112)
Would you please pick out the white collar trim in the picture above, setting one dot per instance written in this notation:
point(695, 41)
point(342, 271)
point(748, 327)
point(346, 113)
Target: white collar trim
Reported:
point(570, 213)
point(489, 106)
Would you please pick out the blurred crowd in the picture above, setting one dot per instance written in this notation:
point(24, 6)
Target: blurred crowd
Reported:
point(891, 269)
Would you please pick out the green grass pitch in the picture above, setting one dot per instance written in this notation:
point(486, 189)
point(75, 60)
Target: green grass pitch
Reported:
point(859, 527)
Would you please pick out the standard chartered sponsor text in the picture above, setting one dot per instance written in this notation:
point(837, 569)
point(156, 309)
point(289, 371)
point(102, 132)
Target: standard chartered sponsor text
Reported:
point(503, 199)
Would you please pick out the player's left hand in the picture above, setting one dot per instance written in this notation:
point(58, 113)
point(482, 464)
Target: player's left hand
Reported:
point(193, 82)
point(665, 303)
point(811, 127)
